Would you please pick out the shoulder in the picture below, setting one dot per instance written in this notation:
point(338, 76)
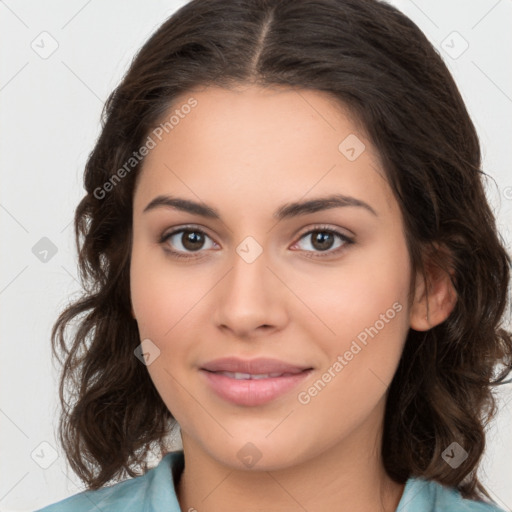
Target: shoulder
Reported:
point(139, 493)
point(422, 495)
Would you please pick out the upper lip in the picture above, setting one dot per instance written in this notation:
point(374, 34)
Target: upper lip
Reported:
point(252, 366)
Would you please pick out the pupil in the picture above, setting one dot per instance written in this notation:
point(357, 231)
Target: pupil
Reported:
point(192, 240)
point(320, 238)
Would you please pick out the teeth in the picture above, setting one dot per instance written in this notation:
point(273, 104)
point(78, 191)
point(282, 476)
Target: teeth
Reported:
point(241, 376)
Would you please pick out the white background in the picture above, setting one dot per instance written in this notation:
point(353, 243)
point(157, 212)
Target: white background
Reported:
point(49, 120)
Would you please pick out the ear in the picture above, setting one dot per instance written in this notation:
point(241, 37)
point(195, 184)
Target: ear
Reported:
point(433, 301)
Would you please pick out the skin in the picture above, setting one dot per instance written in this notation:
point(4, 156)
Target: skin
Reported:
point(247, 151)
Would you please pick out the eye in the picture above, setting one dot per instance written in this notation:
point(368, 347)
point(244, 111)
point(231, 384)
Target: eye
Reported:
point(189, 238)
point(323, 238)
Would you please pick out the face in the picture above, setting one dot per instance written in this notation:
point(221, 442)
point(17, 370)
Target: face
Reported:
point(322, 289)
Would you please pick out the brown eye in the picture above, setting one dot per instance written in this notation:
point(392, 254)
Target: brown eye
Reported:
point(323, 240)
point(185, 240)
point(192, 240)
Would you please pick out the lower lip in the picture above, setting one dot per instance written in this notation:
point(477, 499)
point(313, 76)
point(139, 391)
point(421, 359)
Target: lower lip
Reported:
point(252, 392)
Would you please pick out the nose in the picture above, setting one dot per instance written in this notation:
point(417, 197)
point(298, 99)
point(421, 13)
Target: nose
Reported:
point(251, 298)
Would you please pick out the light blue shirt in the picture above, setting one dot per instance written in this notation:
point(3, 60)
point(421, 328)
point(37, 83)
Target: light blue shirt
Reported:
point(155, 492)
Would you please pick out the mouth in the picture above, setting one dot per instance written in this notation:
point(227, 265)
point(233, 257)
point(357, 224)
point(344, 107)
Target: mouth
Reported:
point(253, 389)
point(254, 376)
point(265, 367)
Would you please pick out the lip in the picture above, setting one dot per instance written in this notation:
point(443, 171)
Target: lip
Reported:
point(252, 392)
point(252, 366)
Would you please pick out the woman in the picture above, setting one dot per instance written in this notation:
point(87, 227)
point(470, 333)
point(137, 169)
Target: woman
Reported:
point(334, 342)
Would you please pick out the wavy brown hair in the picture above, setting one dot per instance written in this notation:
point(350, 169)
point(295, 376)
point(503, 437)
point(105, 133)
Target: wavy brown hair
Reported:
point(377, 63)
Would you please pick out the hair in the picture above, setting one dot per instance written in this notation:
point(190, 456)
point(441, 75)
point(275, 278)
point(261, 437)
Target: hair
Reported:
point(376, 62)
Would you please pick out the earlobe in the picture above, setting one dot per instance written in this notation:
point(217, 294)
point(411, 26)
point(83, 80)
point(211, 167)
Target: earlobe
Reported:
point(433, 301)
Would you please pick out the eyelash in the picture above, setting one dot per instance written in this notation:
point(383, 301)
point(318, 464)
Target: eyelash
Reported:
point(322, 229)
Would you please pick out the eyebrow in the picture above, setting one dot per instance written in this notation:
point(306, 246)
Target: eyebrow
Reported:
point(286, 211)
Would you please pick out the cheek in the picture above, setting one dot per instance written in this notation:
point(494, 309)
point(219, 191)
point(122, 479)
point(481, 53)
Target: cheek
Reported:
point(161, 293)
point(362, 306)
point(161, 301)
point(352, 296)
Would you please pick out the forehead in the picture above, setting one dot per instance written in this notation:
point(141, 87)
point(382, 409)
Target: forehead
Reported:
point(251, 111)
point(252, 140)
